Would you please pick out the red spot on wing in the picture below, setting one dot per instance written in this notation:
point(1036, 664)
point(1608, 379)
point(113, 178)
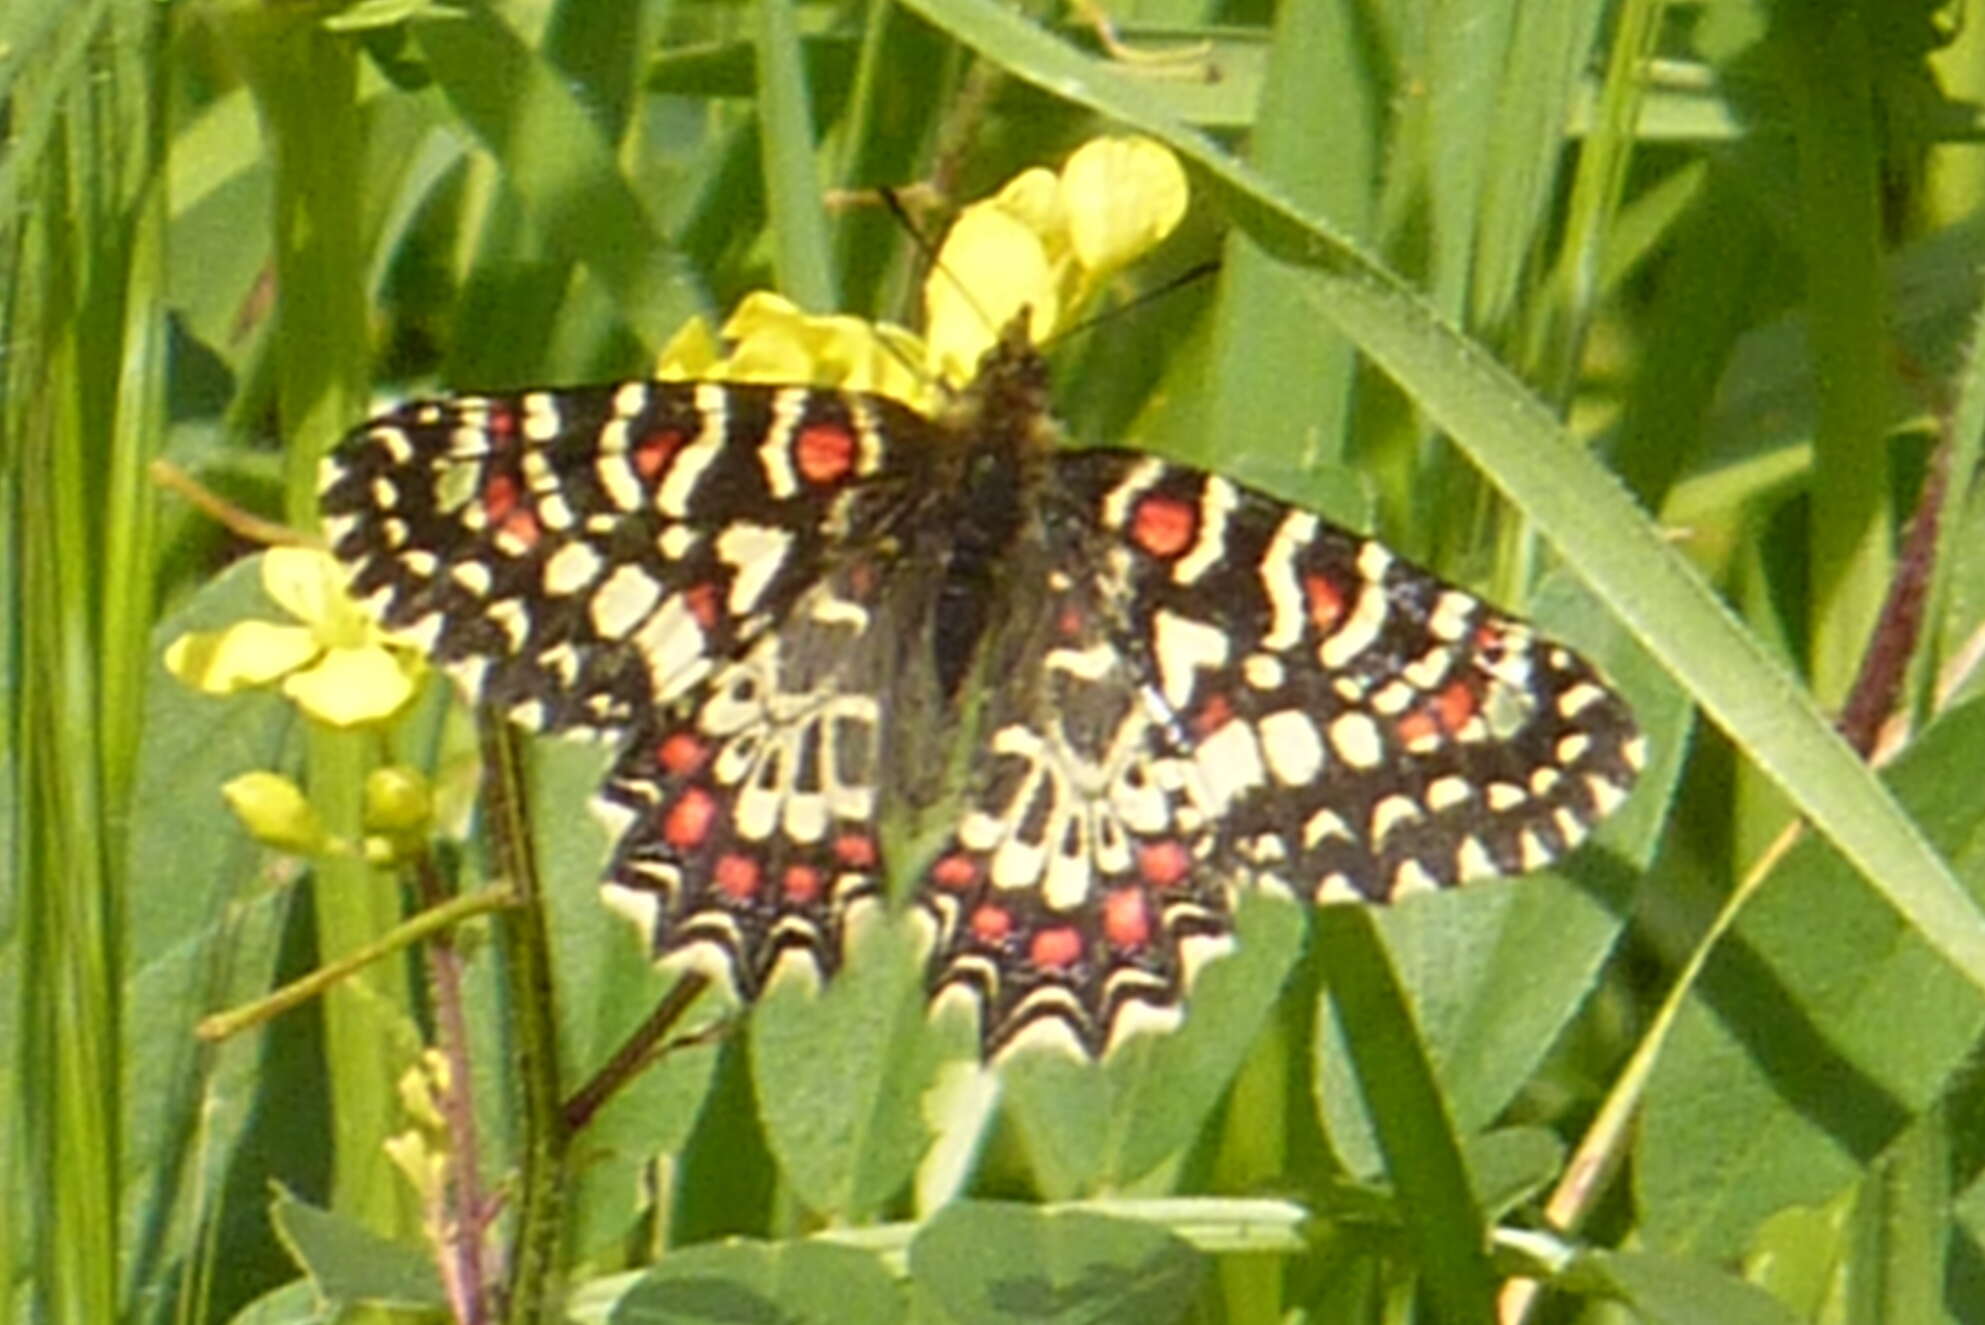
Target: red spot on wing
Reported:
point(1055, 949)
point(688, 821)
point(1163, 526)
point(1163, 864)
point(1213, 714)
point(824, 452)
point(955, 872)
point(802, 884)
point(1417, 727)
point(1455, 705)
point(1325, 600)
point(1127, 918)
point(499, 497)
point(1444, 714)
point(502, 422)
point(991, 924)
point(855, 850)
point(736, 876)
point(681, 753)
point(651, 455)
point(522, 525)
point(701, 600)
point(1069, 619)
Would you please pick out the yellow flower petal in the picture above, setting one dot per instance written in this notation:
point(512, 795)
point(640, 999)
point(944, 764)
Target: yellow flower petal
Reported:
point(424, 1167)
point(1033, 198)
point(692, 352)
point(273, 809)
point(348, 687)
point(421, 1087)
point(1123, 196)
point(896, 368)
point(309, 584)
point(991, 266)
point(248, 653)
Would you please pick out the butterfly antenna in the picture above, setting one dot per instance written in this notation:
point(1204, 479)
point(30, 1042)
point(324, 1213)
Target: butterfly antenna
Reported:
point(1191, 275)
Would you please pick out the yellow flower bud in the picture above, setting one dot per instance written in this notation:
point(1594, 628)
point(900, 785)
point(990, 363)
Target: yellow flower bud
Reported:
point(273, 809)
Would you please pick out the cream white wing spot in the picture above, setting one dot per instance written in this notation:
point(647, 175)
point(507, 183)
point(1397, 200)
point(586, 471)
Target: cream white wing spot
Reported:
point(1216, 507)
point(1293, 747)
point(624, 600)
point(1183, 647)
point(571, 569)
point(513, 618)
point(1286, 619)
point(755, 554)
point(1355, 738)
point(1359, 630)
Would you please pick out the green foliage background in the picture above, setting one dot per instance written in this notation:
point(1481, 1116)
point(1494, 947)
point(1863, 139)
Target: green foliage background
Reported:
point(1647, 319)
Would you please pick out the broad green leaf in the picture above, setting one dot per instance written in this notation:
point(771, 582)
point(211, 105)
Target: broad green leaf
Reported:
point(1822, 1026)
point(204, 921)
point(1667, 1290)
point(795, 1283)
point(987, 1264)
point(606, 987)
point(350, 1264)
point(841, 1074)
point(1090, 1127)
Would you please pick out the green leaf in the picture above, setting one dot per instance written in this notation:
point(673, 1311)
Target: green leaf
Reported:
point(295, 1303)
point(607, 985)
point(1423, 1159)
point(202, 930)
point(795, 1283)
point(1667, 1290)
point(350, 1264)
point(1093, 1127)
point(1820, 1028)
point(841, 1073)
point(989, 1264)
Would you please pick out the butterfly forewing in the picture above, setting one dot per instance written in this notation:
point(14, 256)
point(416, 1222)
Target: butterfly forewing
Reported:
point(1368, 730)
point(579, 558)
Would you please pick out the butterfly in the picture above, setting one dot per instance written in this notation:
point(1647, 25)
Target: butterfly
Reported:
point(1125, 688)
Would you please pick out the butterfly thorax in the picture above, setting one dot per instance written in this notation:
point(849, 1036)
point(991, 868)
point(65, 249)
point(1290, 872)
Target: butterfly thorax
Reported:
point(1002, 435)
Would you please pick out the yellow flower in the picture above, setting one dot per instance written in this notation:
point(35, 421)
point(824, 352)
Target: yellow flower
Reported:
point(773, 341)
point(336, 666)
point(1046, 242)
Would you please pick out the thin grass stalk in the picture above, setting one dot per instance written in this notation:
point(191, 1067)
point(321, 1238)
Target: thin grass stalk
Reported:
point(73, 289)
point(533, 1285)
point(304, 82)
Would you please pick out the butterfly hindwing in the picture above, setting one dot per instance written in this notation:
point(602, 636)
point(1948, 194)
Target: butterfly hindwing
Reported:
point(747, 815)
point(1087, 859)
